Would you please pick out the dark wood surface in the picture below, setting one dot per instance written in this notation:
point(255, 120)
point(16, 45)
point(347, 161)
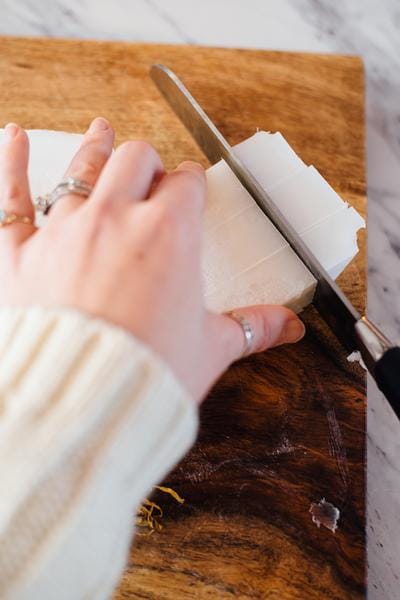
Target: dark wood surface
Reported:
point(283, 429)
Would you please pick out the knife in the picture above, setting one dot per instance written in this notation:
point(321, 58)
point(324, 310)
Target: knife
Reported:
point(355, 332)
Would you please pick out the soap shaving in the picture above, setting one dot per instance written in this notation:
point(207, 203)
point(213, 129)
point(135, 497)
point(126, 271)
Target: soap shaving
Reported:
point(356, 357)
point(326, 514)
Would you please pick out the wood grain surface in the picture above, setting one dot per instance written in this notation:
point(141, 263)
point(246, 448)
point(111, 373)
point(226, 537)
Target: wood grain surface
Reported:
point(283, 429)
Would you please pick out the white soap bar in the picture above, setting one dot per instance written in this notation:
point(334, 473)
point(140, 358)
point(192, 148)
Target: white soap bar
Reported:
point(269, 157)
point(306, 199)
point(50, 153)
point(245, 259)
point(334, 241)
point(225, 257)
point(280, 279)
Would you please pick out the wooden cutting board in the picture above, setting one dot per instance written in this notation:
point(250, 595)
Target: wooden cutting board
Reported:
point(281, 430)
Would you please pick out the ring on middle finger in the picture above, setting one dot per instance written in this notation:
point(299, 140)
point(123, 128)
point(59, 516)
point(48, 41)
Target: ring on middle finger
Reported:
point(69, 185)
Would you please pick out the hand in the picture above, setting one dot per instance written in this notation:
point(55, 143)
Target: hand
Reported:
point(129, 254)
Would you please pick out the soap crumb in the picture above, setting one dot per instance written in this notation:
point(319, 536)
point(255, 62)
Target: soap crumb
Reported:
point(285, 447)
point(356, 357)
point(324, 513)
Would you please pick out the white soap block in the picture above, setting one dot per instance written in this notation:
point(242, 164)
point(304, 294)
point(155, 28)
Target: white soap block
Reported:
point(269, 157)
point(271, 161)
point(334, 240)
point(242, 254)
point(225, 257)
point(279, 279)
point(305, 199)
point(226, 201)
point(49, 156)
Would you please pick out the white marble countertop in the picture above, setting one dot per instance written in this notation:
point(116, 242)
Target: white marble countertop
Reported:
point(370, 28)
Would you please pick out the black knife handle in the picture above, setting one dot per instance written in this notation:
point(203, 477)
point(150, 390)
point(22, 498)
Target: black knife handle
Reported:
point(382, 359)
point(387, 377)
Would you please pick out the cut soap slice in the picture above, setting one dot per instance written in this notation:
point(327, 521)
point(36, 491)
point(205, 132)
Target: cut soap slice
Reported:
point(270, 157)
point(306, 199)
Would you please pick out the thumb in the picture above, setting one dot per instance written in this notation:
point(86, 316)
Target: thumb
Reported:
point(271, 325)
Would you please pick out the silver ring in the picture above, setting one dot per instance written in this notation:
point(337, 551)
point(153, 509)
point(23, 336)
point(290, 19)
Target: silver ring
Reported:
point(69, 185)
point(246, 328)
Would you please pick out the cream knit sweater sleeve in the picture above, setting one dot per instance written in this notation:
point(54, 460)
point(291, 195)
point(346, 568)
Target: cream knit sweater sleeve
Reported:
point(90, 420)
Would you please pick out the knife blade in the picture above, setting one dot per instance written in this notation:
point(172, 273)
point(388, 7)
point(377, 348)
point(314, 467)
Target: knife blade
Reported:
point(352, 330)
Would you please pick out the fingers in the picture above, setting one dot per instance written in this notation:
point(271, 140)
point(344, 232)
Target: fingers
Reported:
point(271, 325)
point(87, 164)
point(14, 186)
point(129, 175)
point(183, 190)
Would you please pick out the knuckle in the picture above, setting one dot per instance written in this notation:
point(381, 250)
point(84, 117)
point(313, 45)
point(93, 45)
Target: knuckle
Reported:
point(191, 189)
point(90, 167)
point(168, 227)
point(12, 191)
point(264, 327)
point(194, 180)
point(168, 216)
point(100, 152)
point(137, 147)
point(102, 211)
point(88, 163)
point(188, 177)
point(193, 172)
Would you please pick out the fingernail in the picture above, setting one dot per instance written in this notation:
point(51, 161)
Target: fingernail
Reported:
point(11, 130)
point(293, 332)
point(194, 166)
point(98, 124)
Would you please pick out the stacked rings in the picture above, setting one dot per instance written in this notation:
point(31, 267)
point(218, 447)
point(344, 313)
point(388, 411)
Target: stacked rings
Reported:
point(67, 186)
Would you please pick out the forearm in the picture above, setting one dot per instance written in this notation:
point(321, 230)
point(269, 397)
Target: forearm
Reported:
point(91, 419)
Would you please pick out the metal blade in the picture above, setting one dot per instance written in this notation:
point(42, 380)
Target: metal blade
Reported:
point(329, 300)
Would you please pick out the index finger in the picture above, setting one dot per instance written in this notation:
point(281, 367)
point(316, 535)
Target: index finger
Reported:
point(87, 164)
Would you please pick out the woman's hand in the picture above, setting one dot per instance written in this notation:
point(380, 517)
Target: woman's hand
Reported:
point(129, 254)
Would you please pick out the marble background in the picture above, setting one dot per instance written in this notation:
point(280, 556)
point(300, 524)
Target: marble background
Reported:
point(370, 28)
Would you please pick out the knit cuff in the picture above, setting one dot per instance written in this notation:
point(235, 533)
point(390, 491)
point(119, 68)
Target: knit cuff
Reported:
point(63, 378)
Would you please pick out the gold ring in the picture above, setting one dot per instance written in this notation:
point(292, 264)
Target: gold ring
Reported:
point(8, 218)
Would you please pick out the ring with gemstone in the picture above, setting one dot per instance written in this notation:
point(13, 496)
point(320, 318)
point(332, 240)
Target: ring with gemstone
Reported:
point(8, 218)
point(69, 185)
point(246, 328)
